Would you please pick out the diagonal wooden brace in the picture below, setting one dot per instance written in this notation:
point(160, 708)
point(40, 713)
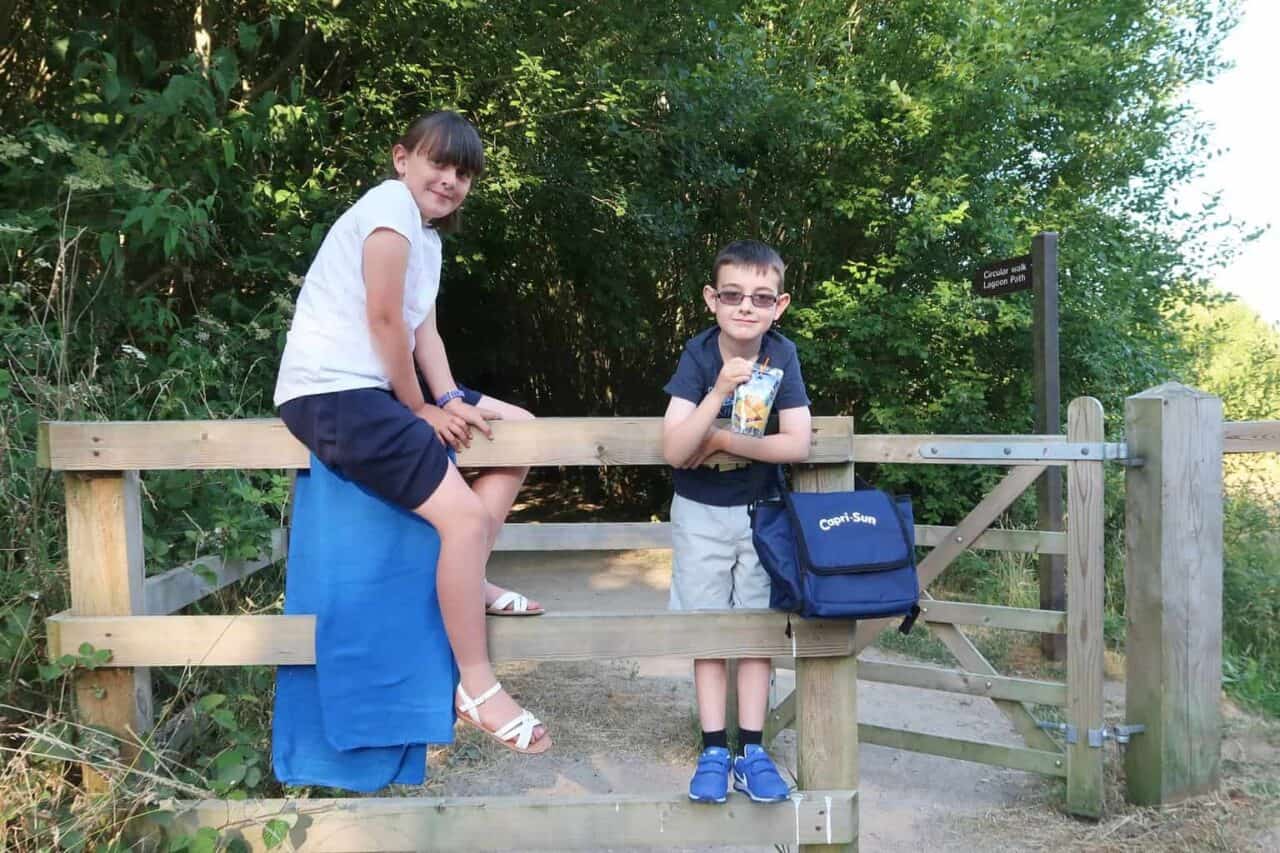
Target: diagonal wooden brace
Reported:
point(958, 539)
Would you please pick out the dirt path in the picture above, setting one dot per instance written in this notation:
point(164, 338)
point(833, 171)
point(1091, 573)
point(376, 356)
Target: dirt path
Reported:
point(629, 726)
point(906, 798)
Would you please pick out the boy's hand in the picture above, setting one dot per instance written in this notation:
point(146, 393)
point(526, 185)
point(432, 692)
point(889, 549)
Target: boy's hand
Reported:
point(716, 441)
point(450, 428)
point(474, 416)
point(734, 373)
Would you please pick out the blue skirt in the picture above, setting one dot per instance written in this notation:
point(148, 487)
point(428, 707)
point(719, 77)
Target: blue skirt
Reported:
point(382, 687)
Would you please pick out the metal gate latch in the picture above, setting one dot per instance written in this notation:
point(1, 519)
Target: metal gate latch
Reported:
point(1120, 734)
point(1097, 737)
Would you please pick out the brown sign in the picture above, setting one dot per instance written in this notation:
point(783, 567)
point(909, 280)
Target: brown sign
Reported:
point(1007, 276)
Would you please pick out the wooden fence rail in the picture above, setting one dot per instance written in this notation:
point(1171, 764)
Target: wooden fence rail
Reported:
point(172, 590)
point(265, 443)
point(244, 640)
point(541, 823)
point(1251, 437)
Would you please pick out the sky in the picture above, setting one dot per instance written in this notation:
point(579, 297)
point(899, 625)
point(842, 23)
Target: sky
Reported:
point(1243, 106)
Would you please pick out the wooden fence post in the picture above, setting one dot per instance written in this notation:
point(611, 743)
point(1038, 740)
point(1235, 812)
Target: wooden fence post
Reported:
point(1085, 591)
point(105, 559)
point(826, 693)
point(1173, 592)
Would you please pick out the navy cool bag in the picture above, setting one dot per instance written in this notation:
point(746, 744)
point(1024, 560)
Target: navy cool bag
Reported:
point(845, 555)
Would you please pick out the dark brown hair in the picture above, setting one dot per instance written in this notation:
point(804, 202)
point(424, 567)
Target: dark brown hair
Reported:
point(446, 137)
point(750, 253)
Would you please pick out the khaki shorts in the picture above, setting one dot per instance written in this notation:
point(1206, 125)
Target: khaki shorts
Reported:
point(713, 563)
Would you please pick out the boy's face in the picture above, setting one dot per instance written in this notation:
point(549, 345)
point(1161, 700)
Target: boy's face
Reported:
point(746, 285)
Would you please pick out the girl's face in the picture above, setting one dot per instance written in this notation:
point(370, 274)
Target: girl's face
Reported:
point(438, 188)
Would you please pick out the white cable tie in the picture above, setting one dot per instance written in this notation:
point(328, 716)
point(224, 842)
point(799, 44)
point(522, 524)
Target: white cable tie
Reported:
point(828, 820)
point(796, 798)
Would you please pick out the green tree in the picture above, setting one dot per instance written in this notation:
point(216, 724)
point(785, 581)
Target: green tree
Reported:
point(887, 147)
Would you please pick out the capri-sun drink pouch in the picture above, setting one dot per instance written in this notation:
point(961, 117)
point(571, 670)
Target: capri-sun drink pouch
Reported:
point(753, 400)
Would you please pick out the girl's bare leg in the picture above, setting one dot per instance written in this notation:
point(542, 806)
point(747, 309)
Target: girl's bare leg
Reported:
point(464, 525)
point(497, 488)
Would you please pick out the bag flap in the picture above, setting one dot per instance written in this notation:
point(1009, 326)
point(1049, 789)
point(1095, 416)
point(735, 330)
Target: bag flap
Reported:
point(846, 532)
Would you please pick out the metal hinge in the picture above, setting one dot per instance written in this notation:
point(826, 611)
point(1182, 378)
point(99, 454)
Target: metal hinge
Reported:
point(1072, 451)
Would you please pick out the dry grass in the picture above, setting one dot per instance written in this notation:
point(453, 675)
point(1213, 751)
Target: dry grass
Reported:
point(44, 800)
point(1243, 814)
point(592, 708)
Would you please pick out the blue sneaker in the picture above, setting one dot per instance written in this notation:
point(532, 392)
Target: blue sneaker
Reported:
point(710, 782)
point(755, 775)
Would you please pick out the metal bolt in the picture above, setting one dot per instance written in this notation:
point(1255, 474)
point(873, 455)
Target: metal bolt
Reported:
point(1008, 451)
point(933, 450)
point(988, 685)
point(1084, 451)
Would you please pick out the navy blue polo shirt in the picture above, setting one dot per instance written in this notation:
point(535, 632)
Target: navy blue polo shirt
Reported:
point(695, 376)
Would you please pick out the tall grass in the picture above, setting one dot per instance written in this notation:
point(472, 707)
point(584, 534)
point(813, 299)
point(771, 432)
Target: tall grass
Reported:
point(1251, 591)
point(1251, 601)
point(56, 363)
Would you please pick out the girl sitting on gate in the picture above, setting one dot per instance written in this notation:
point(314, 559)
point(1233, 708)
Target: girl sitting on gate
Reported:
point(348, 390)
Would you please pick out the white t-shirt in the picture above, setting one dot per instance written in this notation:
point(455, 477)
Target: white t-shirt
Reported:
point(329, 347)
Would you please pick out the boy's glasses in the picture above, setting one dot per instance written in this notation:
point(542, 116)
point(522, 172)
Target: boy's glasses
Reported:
point(734, 297)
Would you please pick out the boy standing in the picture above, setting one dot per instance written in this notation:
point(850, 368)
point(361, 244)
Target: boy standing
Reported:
point(714, 563)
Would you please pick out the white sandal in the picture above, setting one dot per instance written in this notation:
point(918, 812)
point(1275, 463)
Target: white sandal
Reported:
point(512, 604)
point(516, 734)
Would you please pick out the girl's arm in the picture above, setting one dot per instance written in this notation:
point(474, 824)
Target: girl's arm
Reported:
point(432, 358)
point(434, 362)
point(385, 259)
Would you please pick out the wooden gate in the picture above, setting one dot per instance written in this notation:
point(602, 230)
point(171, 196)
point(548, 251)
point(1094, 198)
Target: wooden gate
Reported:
point(1082, 452)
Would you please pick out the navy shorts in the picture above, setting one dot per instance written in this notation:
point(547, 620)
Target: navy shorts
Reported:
point(367, 436)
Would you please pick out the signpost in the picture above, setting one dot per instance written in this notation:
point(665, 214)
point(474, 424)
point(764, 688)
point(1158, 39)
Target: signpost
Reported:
point(1038, 272)
point(1007, 276)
